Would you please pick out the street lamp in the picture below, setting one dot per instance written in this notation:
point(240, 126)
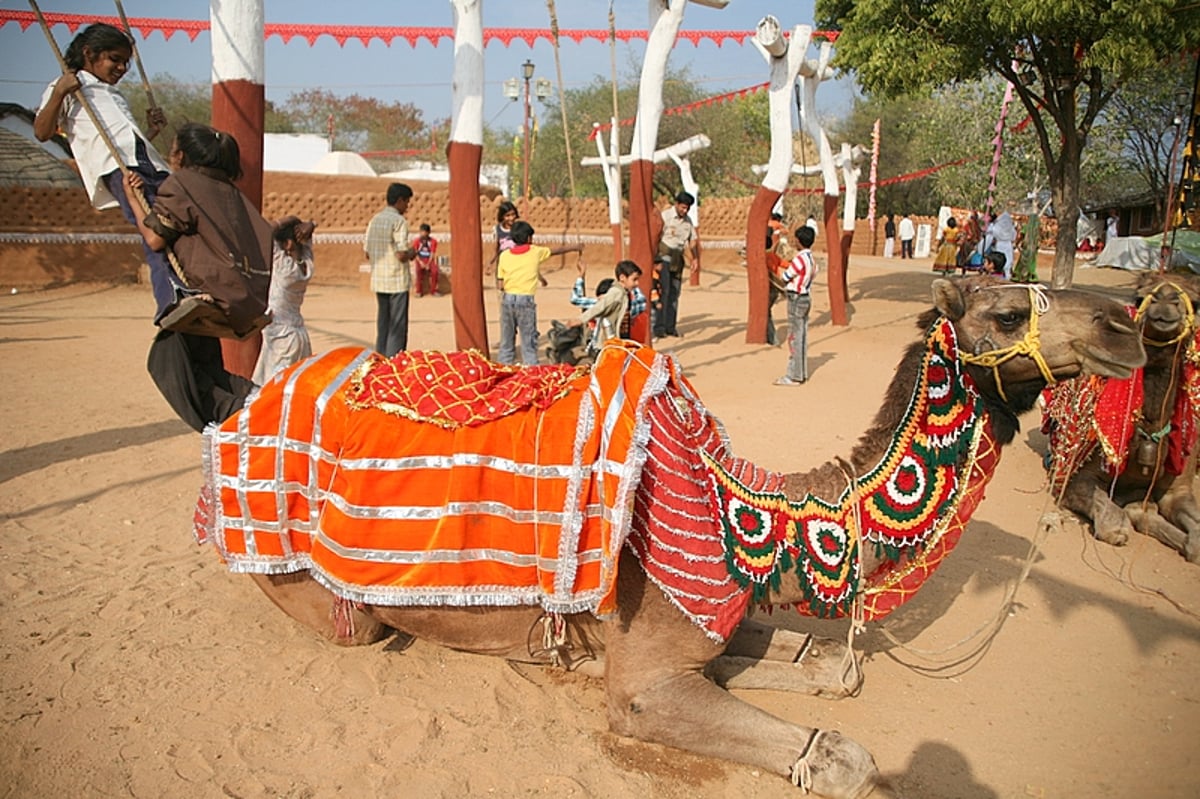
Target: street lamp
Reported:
point(512, 90)
point(527, 74)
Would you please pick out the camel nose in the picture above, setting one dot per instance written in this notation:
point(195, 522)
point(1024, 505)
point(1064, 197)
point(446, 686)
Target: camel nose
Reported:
point(1117, 320)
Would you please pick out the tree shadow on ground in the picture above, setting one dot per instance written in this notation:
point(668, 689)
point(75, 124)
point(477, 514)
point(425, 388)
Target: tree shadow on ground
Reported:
point(16, 462)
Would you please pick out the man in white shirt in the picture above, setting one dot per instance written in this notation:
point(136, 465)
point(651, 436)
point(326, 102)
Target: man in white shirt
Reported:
point(908, 232)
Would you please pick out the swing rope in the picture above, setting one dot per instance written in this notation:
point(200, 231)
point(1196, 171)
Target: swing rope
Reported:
point(137, 58)
point(104, 134)
point(572, 222)
point(612, 57)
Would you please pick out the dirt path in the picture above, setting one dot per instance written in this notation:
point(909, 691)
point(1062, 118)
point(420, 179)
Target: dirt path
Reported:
point(133, 664)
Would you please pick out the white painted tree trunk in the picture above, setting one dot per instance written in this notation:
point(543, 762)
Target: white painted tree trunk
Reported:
point(665, 20)
point(238, 108)
point(610, 167)
point(849, 162)
point(466, 120)
point(465, 152)
point(785, 60)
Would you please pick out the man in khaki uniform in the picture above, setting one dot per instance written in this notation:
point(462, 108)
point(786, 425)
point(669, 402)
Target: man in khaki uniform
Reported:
point(678, 235)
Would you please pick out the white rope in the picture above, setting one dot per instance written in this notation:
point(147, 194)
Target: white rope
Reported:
point(801, 770)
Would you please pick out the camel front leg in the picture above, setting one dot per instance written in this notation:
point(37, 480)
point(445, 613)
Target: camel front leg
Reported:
point(1109, 523)
point(656, 692)
point(1178, 506)
point(1156, 522)
point(687, 711)
point(760, 656)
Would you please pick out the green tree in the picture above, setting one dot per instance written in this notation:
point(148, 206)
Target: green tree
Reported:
point(1143, 123)
point(739, 131)
point(360, 124)
point(1065, 61)
point(189, 102)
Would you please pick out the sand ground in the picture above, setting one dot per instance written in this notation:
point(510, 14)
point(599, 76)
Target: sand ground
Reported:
point(133, 664)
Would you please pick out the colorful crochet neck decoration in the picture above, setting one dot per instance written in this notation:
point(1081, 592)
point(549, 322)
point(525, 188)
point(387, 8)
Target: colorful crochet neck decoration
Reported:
point(911, 506)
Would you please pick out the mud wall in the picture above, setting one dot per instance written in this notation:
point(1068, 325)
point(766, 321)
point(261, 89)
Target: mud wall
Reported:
point(53, 236)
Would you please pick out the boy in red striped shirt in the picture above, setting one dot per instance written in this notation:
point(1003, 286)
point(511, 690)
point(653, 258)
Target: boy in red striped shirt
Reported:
point(797, 281)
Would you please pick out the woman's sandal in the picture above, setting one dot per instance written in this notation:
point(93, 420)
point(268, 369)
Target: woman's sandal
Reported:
point(198, 316)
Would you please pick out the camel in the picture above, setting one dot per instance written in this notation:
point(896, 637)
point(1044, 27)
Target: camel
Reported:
point(989, 349)
point(1132, 468)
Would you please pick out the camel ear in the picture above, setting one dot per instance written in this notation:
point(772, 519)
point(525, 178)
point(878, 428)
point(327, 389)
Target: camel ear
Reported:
point(948, 299)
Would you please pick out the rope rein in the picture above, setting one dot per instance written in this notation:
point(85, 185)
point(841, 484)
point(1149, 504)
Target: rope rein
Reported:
point(572, 222)
point(1189, 315)
point(1030, 345)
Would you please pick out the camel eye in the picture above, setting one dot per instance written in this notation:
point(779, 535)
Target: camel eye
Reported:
point(1010, 321)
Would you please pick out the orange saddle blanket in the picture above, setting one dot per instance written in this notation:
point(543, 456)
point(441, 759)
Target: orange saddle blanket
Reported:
point(393, 495)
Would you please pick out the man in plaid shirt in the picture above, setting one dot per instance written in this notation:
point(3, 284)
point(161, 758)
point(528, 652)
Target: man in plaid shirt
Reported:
point(388, 252)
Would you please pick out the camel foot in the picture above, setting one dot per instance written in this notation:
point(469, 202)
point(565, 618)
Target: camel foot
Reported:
point(1191, 550)
point(836, 767)
point(1113, 526)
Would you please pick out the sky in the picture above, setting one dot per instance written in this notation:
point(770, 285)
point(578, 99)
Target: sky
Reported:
point(419, 75)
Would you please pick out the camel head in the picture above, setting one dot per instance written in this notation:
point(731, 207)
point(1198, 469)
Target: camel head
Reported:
point(1017, 338)
point(1166, 307)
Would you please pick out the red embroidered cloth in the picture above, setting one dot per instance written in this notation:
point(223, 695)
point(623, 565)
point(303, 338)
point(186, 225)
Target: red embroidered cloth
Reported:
point(456, 388)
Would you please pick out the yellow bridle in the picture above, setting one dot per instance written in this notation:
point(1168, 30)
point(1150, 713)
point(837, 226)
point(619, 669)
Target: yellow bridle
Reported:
point(1029, 346)
point(1189, 314)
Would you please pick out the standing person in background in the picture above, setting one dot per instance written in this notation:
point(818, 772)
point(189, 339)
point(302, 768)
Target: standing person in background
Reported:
point(1112, 226)
point(797, 281)
point(506, 216)
point(518, 275)
point(908, 232)
point(1003, 234)
point(98, 59)
point(425, 247)
point(388, 252)
point(1025, 270)
point(775, 234)
point(678, 234)
point(285, 340)
point(889, 237)
point(969, 240)
point(946, 260)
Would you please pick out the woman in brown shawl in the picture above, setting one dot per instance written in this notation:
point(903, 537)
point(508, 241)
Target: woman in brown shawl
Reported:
point(223, 248)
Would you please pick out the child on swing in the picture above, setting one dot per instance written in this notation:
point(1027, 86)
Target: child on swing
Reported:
point(223, 246)
point(97, 59)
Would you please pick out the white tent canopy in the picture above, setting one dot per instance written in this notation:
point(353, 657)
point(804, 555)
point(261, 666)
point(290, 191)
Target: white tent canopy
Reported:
point(342, 163)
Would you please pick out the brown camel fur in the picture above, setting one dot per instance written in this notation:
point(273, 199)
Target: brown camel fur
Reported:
point(659, 667)
point(1146, 497)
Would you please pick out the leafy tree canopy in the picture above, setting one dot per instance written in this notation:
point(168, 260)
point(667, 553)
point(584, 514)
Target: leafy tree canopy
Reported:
point(739, 130)
point(1065, 59)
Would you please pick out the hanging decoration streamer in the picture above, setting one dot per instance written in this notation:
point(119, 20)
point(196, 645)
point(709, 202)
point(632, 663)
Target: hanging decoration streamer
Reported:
point(998, 148)
point(687, 108)
point(365, 33)
point(920, 173)
point(873, 178)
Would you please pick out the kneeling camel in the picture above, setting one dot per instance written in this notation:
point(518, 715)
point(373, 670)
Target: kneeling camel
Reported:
point(1123, 452)
point(667, 540)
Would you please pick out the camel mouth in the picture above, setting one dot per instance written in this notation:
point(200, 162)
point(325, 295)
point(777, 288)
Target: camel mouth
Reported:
point(1162, 329)
point(1105, 364)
